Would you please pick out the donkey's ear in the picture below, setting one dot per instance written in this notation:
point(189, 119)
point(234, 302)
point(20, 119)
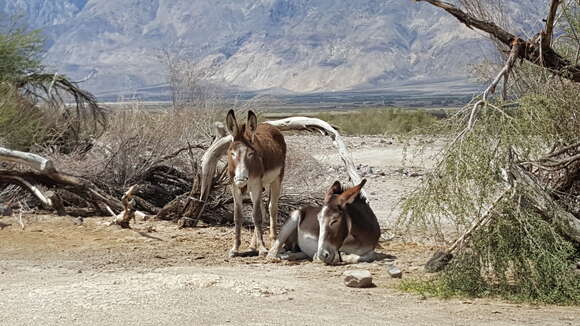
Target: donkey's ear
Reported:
point(335, 189)
point(252, 121)
point(348, 196)
point(232, 124)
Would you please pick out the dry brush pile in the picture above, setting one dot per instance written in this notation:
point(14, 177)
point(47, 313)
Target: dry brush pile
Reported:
point(146, 163)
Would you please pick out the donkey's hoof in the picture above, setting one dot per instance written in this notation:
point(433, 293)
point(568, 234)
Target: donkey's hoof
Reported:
point(272, 255)
point(233, 253)
point(263, 252)
point(272, 258)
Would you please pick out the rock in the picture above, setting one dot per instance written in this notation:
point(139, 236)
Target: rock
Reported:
point(395, 272)
point(359, 278)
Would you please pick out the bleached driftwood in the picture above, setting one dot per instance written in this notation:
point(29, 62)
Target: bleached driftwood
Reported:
point(36, 162)
point(46, 174)
point(313, 125)
point(124, 218)
point(218, 149)
point(45, 200)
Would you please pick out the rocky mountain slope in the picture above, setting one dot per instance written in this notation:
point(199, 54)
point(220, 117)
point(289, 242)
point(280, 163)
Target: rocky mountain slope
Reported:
point(292, 45)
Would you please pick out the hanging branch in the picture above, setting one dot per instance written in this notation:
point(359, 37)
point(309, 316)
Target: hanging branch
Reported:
point(535, 51)
point(550, 22)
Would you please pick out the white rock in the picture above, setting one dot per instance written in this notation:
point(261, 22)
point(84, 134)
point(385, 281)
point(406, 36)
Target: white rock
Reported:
point(395, 272)
point(359, 278)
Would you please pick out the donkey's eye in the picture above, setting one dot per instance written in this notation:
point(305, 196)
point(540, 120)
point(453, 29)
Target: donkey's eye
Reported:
point(333, 222)
point(251, 154)
point(233, 154)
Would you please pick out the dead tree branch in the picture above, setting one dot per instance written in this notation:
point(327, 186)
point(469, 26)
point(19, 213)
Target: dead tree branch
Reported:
point(570, 225)
point(504, 73)
point(536, 51)
point(440, 259)
point(550, 22)
point(49, 176)
point(129, 212)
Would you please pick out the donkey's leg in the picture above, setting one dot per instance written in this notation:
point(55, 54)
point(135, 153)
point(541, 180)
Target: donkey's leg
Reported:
point(256, 195)
point(355, 259)
point(254, 242)
point(275, 188)
point(292, 256)
point(288, 230)
point(237, 194)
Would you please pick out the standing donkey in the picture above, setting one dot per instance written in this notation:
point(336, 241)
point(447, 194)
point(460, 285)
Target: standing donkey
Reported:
point(256, 160)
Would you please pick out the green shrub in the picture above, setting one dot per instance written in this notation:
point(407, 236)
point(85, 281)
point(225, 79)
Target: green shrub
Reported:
point(380, 121)
point(19, 53)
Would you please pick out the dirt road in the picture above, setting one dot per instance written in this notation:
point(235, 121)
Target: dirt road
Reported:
point(55, 272)
point(61, 271)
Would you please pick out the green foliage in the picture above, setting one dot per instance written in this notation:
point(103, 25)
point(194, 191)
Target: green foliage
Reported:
point(21, 124)
point(521, 253)
point(429, 286)
point(20, 121)
point(19, 54)
point(380, 121)
point(33, 104)
point(520, 256)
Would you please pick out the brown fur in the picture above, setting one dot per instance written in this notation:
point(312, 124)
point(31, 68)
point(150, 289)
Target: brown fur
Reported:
point(269, 144)
point(355, 224)
point(350, 226)
point(257, 150)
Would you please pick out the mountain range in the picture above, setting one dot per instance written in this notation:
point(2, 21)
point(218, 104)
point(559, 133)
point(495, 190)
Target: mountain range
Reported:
point(288, 46)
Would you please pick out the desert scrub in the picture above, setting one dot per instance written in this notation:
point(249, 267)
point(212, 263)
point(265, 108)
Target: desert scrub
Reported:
point(388, 121)
point(40, 107)
point(515, 163)
point(524, 252)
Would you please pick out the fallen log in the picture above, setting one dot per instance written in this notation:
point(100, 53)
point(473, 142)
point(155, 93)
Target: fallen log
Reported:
point(46, 174)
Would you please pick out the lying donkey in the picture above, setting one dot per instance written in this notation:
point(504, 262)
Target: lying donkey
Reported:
point(345, 224)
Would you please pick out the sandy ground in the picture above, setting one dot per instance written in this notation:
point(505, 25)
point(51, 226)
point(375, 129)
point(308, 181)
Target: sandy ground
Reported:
point(59, 271)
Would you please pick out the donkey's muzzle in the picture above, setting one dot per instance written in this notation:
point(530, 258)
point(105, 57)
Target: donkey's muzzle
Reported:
point(240, 182)
point(327, 257)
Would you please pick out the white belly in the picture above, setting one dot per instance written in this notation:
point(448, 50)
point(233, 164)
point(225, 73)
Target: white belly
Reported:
point(308, 243)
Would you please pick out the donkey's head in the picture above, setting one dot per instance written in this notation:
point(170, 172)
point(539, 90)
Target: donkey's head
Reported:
point(244, 160)
point(334, 221)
